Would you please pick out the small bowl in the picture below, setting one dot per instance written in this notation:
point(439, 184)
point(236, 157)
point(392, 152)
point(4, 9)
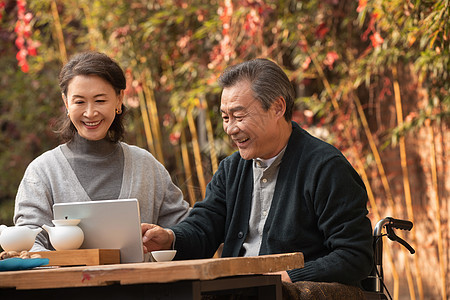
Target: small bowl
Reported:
point(164, 255)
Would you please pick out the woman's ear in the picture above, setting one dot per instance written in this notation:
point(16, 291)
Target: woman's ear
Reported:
point(65, 101)
point(120, 99)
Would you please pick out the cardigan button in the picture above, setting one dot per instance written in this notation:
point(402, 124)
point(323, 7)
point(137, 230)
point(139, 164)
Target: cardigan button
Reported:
point(240, 234)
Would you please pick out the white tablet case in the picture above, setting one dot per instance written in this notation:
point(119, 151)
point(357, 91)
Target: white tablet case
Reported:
point(107, 224)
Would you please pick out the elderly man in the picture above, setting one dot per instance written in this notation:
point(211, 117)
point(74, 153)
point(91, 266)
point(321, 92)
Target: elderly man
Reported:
point(283, 191)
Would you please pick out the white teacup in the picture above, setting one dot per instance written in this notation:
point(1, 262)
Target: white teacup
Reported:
point(163, 255)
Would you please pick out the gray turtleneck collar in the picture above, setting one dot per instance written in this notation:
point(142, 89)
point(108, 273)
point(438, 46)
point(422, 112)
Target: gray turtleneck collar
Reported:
point(98, 166)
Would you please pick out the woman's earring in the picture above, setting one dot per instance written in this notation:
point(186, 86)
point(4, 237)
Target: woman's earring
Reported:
point(68, 113)
point(118, 111)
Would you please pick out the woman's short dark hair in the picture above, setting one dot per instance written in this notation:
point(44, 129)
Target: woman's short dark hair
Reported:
point(101, 65)
point(267, 79)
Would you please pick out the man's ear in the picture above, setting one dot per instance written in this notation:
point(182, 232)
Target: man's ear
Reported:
point(279, 107)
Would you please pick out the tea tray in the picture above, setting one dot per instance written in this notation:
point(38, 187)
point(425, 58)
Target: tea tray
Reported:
point(81, 257)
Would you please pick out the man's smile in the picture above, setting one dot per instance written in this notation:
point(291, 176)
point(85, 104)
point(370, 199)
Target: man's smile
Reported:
point(240, 141)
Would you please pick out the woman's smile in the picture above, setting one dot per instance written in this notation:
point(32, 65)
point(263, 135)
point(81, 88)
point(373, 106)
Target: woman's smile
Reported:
point(92, 125)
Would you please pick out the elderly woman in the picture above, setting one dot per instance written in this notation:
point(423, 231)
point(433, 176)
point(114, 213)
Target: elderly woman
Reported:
point(93, 163)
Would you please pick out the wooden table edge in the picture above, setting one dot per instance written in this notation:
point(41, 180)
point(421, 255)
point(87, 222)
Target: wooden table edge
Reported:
point(150, 272)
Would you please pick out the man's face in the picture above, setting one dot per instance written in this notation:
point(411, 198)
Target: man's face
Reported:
point(254, 130)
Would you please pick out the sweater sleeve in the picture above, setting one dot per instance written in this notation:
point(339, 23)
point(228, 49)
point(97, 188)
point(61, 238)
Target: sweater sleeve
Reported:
point(33, 206)
point(339, 200)
point(173, 206)
point(201, 233)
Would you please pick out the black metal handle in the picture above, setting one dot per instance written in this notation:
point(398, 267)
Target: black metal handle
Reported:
point(400, 224)
point(393, 237)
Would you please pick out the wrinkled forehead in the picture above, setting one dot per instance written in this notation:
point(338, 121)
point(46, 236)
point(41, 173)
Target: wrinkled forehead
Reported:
point(238, 97)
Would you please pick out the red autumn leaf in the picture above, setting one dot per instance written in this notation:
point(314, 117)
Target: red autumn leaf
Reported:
point(25, 68)
point(322, 30)
point(21, 5)
point(174, 137)
point(27, 18)
point(303, 45)
point(376, 39)
point(21, 55)
point(306, 63)
point(32, 51)
point(19, 42)
point(18, 28)
point(330, 59)
point(27, 31)
point(361, 5)
point(167, 120)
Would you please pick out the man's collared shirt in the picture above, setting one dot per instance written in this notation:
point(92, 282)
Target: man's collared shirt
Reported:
point(265, 172)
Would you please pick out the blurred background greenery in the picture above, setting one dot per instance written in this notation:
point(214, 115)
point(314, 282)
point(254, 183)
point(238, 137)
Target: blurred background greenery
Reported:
point(372, 78)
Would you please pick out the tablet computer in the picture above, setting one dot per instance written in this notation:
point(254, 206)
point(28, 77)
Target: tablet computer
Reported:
point(107, 224)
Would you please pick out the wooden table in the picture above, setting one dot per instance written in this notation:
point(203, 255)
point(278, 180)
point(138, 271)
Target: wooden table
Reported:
point(188, 279)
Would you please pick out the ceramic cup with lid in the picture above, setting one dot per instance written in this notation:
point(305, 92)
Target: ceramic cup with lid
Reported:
point(66, 235)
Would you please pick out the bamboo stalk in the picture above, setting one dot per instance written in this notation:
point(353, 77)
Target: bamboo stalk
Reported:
point(362, 172)
point(365, 179)
point(374, 207)
point(386, 251)
point(323, 78)
point(89, 25)
point(197, 154)
point(406, 185)
point(365, 126)
point(153, 112)
point(409, 278)
point(374, 149)
point(388, 193)
point(438, 209)
point(210, 135)
point(139, 138)
point(396, 282)
point(59, 32)
point(187, 167)
point(147, 129)
point(379, 163)
point(180, 176)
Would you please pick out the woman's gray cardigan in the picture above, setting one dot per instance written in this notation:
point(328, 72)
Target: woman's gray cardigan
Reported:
point(49, 179)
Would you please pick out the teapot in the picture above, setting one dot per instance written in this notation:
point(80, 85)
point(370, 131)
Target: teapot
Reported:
point(17, 238)
point(66, 235)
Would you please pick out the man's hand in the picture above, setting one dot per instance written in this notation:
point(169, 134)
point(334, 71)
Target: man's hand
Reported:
point(155, 238)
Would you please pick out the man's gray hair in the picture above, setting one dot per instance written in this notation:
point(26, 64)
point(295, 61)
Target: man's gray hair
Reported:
point(268, 82)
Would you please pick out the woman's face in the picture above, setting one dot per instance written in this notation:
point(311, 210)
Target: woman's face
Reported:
point(91, 103)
